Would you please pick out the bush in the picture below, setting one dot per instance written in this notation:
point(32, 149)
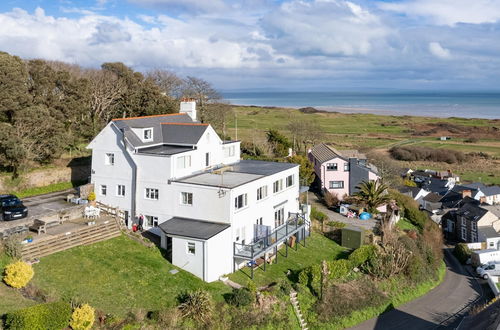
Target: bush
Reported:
point(409, 210)
point(46, 316)
point(304, 276)
point(82, 318)
point(417, 270)
point(18, 274)
point(336, 224)
point(330, 199)
point(413, 153)
point(318, 215)
point(339, 269)
point(361, 255)
point(241, 297)
point(197, 305)
point(12, 247)
point(91, 196)
point(166, 318)
point(285, 286)
point(252, 287)
point(462, 252)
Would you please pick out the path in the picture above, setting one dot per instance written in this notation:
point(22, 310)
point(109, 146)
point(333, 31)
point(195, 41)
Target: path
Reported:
point(441, 308)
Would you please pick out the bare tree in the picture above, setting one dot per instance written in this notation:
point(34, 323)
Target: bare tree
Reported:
point(202, 91)
point(106, 89)
point(167, 81)
point(217, 115)
point(304, 133)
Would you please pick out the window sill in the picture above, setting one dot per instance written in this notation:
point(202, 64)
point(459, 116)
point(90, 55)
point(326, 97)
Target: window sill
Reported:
point(241, 209)
point(190, 205)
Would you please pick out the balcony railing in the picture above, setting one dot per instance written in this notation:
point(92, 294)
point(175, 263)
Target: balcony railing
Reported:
point(251, 251)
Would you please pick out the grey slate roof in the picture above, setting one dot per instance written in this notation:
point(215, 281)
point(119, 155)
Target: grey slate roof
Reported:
point(182, 133)
point(488, 231)
point(475, 185)
point(323, 153)
point(472, 212)
point(260, 167)
point(192, 228)
point(491, 191)
point(159, 136)
point(432, 198)
point(410, 191)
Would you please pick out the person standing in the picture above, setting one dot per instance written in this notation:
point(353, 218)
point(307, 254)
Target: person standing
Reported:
point(141, 222)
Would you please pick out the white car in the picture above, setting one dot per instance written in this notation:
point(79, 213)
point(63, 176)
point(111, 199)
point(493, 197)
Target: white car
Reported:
point(492, 269)
point(481, 267)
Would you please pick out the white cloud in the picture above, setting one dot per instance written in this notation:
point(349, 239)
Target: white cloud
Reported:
point(193, 5)
point(437, 50)
point(448, 12)
point(321, 27)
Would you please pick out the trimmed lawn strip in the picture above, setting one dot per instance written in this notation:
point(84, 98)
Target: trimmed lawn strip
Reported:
point(46, 189)
point(317, 248)
point(399, 296)
point(118, 275)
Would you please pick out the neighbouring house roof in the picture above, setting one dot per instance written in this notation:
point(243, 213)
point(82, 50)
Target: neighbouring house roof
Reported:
point(488, 231)
point(351, 154)
point(460, 188)
point(451, 199)
point(170, 134)
point(432, 198)
point(472, 212)
point(475, 185)
point(491, 191)
point(435, 185)
point(323, 153)
point(192, 228)
point(410, 191)
point(495, 209)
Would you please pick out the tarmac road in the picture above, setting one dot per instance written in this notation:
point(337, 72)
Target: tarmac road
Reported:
point(441, 308)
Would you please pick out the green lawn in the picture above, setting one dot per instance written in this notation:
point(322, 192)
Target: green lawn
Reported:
point(46, 189)
point(404, 224)
point(317, 248)
point(116, 276)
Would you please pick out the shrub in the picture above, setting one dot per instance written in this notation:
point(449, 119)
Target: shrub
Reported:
point(241, 297)
point(304, 276)
point(82, 318)
point(417, 270)
point(462, 252)
point(166, 318)
point(197, 305)
point(413, 153)
point(361, 255)
point(285, 286)
point(91, 196)
point(337, 224)
point(45, 316)
point(18, 274)
point(12, 247)
point(318, 215)
point(330, 199)
point(252, 287)
point(339, 269)
point(409, 183)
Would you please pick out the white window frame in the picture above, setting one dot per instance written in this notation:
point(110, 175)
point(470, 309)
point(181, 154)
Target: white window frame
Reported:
point(184, 162)
point(109, 159)
point(152, 194)
point(229, 151)
point(474, 237)
point(207, 159)
point(334, 165)
point(292, 177)
point(464, 222)
point(262, 193)
point(191, 246)
point(464, 233)
point(279, 216)
point(103, 190)
point(144, 134)
point(151, 221)
point(473, 226)
point(240, 201)
point(331, 184)
point(120, 190)
point(346, 167)
point(187, 198)
point(277, 186)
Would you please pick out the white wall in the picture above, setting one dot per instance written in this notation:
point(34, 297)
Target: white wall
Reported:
point(219, 255)
point(185, 261)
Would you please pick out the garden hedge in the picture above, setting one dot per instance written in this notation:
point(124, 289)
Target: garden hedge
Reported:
point(53, 316)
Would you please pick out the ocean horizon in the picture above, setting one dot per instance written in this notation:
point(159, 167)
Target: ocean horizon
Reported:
point(427, 104)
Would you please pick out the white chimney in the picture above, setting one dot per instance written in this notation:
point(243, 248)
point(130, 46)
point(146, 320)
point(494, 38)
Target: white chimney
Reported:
point(189, 107)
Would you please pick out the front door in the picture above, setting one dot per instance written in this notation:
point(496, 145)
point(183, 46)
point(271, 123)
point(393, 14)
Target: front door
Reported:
point(169, 248)
point(125, 215)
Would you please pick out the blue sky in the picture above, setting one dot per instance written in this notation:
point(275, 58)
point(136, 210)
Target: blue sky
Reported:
point(268, 44)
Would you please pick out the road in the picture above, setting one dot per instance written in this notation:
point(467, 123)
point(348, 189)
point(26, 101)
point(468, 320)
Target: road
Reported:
point(441, 308)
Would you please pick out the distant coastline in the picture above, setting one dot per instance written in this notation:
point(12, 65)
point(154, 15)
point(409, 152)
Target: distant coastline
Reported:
point(439, 105)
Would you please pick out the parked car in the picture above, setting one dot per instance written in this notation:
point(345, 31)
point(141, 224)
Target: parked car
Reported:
point(482, 266)
point(489, 270)
point(12, 208)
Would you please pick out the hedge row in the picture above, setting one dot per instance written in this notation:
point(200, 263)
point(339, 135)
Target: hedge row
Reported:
point(40, 317)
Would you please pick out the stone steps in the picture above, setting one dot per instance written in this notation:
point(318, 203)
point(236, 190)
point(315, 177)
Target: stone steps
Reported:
point(296, 308)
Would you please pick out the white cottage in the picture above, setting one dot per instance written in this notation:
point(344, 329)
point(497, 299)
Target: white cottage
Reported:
point(213, 212)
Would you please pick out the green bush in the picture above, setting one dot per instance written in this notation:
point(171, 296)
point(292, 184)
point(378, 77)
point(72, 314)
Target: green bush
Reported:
point(361, 255)
point(462, 252)
point(18, 274)
point(318, 215)
point(82, 318)
point(285, 286)
point(241, 297)
point(304, 276)
point(40, 317)
point(339, 269)
point(409, 210)
point(337, 224)
point(417, 270)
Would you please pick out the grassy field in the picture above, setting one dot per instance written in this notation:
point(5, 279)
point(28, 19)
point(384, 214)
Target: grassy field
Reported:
point(116, 276)
point(317, 248)
point(404, 224)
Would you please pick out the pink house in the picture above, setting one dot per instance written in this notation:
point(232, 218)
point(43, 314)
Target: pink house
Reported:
point(340, 171)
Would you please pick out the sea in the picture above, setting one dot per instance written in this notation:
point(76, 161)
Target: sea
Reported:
point(426, 104)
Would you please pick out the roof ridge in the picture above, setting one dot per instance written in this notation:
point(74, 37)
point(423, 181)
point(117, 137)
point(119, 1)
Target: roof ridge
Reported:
point(151, 116)
point(187, 124)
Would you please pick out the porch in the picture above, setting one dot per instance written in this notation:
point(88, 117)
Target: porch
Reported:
point(256, 253)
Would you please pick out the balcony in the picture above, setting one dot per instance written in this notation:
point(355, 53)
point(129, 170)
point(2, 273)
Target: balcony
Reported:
point(293, 225)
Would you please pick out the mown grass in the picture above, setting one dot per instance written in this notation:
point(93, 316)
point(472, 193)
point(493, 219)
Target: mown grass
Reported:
point(10, 299)
point(404, 224)
point(45, 189)
point(317, 248)
point(117, 276)
point(398, 295)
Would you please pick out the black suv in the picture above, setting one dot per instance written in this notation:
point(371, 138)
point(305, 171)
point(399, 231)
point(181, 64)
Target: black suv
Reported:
point(11, 208)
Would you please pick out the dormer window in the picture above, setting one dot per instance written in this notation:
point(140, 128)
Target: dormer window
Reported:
point(147, 134)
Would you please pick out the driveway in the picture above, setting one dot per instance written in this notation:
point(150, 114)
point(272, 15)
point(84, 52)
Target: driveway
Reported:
point(441, 308)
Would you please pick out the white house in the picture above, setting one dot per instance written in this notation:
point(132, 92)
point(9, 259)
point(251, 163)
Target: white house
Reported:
point(213, 212)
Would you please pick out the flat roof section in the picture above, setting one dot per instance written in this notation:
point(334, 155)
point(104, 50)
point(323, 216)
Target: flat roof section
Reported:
point(163, 150)
point(192, 228)
point(260, 167)
point(227, 179)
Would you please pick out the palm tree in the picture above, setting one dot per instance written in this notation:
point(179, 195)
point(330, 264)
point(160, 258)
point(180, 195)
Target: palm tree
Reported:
point(372, 194)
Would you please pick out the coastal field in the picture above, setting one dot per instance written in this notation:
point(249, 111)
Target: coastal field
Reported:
point(378, 133)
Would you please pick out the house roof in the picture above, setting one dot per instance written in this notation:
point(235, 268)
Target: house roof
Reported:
point(451, 199)
point(435, 185)
point(166, 134)
point(261, 167)
point(491, 191)
point(472, 212)
point(488, 231)
point(192, 228)
point(432, 198)
point(323, 153)
point(475, 185)
point(411, 191)
point(163, 150)
point(495, 209)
